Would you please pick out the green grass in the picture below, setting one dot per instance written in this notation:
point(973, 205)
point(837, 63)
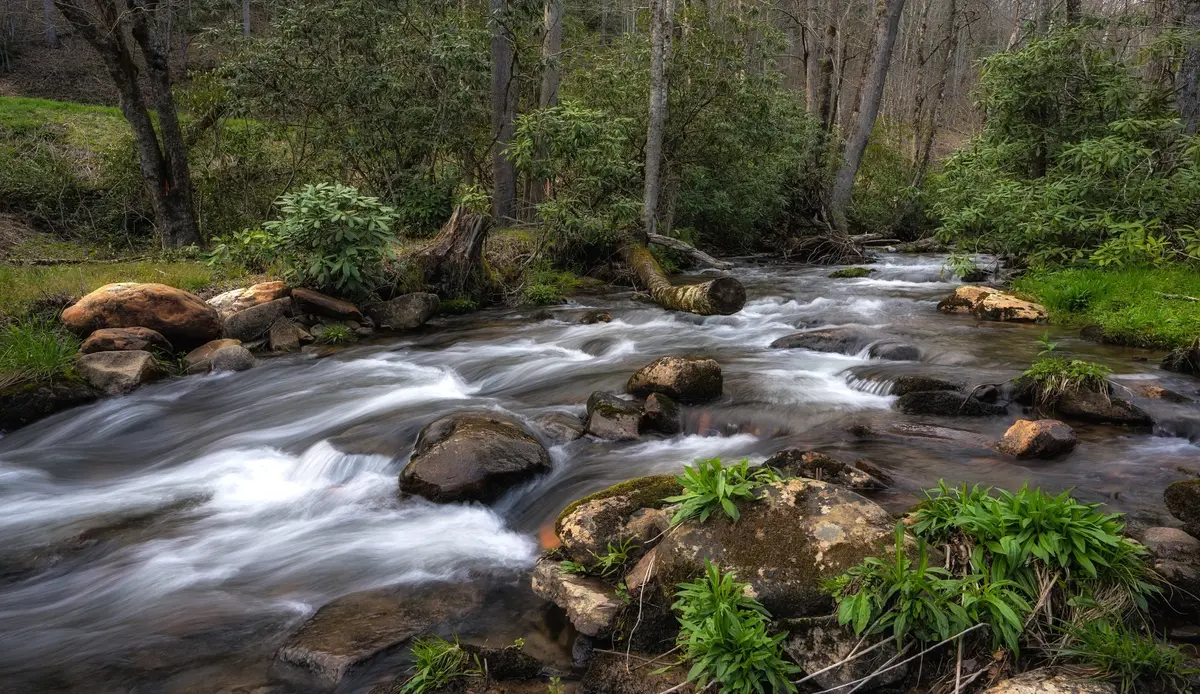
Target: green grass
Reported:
point(1054, 377)
point(436, 663)
point(22, 285)
point(84, 124)
point(36, 351)
point(1134, 661)
point(1128, 304)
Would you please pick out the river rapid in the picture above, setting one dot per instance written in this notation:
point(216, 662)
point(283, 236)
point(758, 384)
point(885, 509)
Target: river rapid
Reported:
point(170, 540)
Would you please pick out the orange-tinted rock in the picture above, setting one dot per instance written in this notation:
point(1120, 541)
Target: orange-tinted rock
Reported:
point(181, 317)
point(1160, 393)
point(124, 340)
point(308, 301)
point(964, 299)
point(242, 299)
point(1006, 307)
point(1044, 438)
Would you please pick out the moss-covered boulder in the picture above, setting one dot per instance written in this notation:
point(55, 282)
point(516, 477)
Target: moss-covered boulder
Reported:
point(916, 383)
point(797, 534)
point(629, 510)
point(850, 273)
point(25, 403)
point(1183, 501)
point(1101, 408)
point(947, 403)
point(472, 456)
point(613, 418)
point(686, 379)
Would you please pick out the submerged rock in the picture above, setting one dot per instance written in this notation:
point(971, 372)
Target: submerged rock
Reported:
point(355, 628)
point(661, 414)
point(686, 379)
point(610, 417)
point(895, 351)
point(904, 385)
point(591, 605)
point(559, 427)
point(309, 301)
point(24, 404)
point(844, 340)
point(118, 372)
point(254, 322)
point(1044, 438)
point(405, 312)
point(181, 317)
point(1090, 406)
point(593, 317)
point(472, 456)
point(947, 403)
point(1049, 681)
point(241, 299)
point(797, 534)
point(1153, 392)
point(850, 273)
point(625, 511)
point(794, 462)
point(817, 643)
point(1183, 501)
point(125, 340)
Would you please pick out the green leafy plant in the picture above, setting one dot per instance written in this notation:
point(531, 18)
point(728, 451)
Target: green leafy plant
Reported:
point(1133, 660)
point(1053, 377)
point(1048, 347)
point(337, 335)
point(571, 567)
point(961, 264)
point(555, 686)
point(708, 486)
point(724, 634)
point(436, 662)
point(611, 561)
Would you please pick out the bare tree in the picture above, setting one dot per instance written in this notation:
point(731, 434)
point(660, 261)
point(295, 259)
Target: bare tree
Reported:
point(504, 114)
point(868, 109)
point(107, 26)
point(1187, 79)
point(51, 28)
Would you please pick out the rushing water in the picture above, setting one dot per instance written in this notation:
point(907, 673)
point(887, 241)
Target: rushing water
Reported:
point(167, 541)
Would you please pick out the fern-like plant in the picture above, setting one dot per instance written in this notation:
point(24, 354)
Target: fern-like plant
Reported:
point(708, 486)
point(436, 662)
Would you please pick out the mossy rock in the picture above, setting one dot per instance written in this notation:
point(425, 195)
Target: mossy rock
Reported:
point(25, 403)
point(644, 492)
point(587, 526)
point(850, 273)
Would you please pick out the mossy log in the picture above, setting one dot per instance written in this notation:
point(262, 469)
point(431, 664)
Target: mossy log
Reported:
point(722, 296)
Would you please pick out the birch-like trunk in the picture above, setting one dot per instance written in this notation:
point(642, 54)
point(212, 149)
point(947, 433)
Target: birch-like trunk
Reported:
point(1187, 79)
point(504, 114)
point(51, 28)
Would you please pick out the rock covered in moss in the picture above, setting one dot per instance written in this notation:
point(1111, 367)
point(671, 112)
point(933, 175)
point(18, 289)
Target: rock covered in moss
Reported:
point(797, 534)
point(591, 605)
point(661, 414)
point(179, 316)
point(621, 512)
point(1050, 681)
point(850, 273)
point(915, 383)
point(1044, 438)
point(119, 372)
point(947, 403)
point(472, 456)
point(613, 418)
point(817, 643)
point(682, 378)
point(24, 404)
point(125, 340)
point(1183, 501)
point(794, 462)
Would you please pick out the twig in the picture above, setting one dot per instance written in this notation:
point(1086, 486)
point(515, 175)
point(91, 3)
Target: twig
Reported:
point(851, 657)
point(958, 668)
point(1178, 297)
point(638, 621)
point(905, 661)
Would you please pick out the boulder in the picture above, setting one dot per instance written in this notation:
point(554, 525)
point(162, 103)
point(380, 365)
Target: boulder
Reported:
point(559, 427)
point(309, 301)
point(405, 312)
point(1185, 360)
point(284, 336)
point(591, 605)
point(241, 299)
point(1050, 681)
point(946, 403)
point(24, 404)
point(844, 340)
point(609, 673)
point(256, 321)
point(621, 512)
point(1006, 307)
point(1044, 438)
point(964, 299)
point(610, 417)
point(661, 414)
point(1171, 543)
point(472, 456)
point(198, 360)
point(794, 462)
point(895, 351)
point(1153, 392)
point(1175, 556)
point(353, 629)
point(797, 534)
point(816, 643)
point(686, 379)
point(1183, 501)
point(181, 317)
point(1090, 406)
point(118, 372)
point(903, 385)
point(593, 317)
point(232, 358)
point(124, 340)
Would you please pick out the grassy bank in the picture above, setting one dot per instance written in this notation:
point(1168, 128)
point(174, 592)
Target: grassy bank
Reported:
point(1138, 307)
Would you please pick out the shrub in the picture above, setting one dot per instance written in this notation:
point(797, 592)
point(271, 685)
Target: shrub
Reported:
point(1135, 661)
point(436, 663)
point(337, 335)
point(1053, 377)
point(724, 635)
point(709, 486)
point(36, 351)
point(457, 307)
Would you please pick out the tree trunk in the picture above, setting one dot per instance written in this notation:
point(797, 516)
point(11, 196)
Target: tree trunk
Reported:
point(868, 109)
point(698, 256)
point(826, 98)
point(1041, 17)
point(720, 297)
point(452, 263)
point(164, 168)
point(1188, 78)
point(245, 17)
point(51, 29)
point(662, 13)
point(551, 53)
point(1074, 11)
point(504, 114)
point(812, 58)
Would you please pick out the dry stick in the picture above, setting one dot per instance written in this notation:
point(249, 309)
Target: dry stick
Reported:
point(1178, 297)
point(958, 668)
point(638, 621)
point(905, 661)
point(886, 663)
point(852, 656)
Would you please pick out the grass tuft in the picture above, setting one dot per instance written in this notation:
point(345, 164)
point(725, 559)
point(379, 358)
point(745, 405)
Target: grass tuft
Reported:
point(1134, 661)
point(1053, 377)
point(436, 662)
point(337, 335)
point(36, 351)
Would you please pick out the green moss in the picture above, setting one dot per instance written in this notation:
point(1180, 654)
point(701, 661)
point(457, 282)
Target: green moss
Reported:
point(457, 307)
point(850, 273)
point(644, 492)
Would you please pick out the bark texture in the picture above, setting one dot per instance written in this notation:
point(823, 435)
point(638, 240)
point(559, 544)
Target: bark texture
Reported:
point(1188, 76)
point(868, 109)
point(453, 261)
point(51, 28)
point(722, 296)
point(105, 25)
point(551, 53)
point(698, 256)
point(662, 13)
point(504, 113)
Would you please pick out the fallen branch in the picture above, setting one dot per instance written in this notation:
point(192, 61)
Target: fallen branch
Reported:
point(721, 296)
point(903, 662)
point(697, 255)
point(1178, 297)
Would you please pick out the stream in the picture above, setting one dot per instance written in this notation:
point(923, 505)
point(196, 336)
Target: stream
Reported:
point(171, 539)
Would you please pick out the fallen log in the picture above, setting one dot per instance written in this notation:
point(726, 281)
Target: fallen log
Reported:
point(721, 296)
point(698, 256)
